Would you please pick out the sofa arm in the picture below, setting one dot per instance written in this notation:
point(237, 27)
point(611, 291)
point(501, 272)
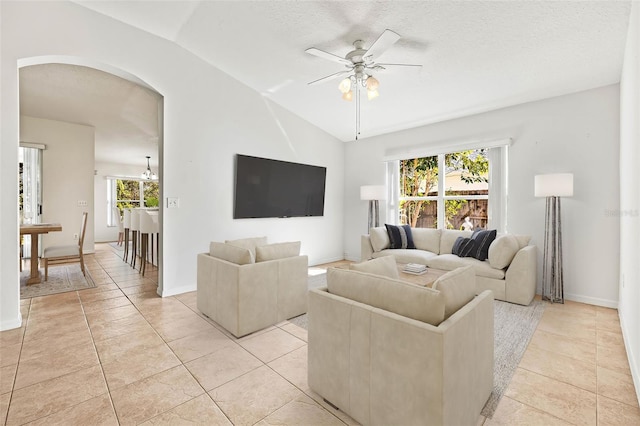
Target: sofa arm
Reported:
point(520, 278)
point(366, 249)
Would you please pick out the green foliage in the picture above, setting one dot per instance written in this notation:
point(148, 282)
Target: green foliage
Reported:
point(419, 177)
point(451, 209)
point(151, 202)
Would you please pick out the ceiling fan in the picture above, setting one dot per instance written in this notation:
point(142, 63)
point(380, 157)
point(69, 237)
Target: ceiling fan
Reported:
point(361, 65)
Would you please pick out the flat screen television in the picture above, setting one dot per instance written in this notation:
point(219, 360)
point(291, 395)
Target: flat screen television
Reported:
point(273, 188)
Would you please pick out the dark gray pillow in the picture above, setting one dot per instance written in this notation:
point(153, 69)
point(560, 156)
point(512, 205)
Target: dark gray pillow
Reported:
point(400, 237)
point(464, 247)
point(483, 239)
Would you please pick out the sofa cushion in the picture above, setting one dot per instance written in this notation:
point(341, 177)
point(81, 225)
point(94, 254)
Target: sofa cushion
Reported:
point(379, 238)
point(409, 300)
point(400, 237)
point(458, 287)
point(231, 253)
point(385, 266)
point(426, 239)
point(484, 238)
point(464, 247)
point(502, 251)
point(249, 243)
point(277, 251)
point(449, 262)
point(406, 255)
point(448, 237)
point(523, 240)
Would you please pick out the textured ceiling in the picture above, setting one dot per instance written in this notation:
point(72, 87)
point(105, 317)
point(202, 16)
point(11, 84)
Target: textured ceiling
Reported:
point(476, 56)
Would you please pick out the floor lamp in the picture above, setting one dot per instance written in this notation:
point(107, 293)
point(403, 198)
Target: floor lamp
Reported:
point(373, 193)
point(553, 186)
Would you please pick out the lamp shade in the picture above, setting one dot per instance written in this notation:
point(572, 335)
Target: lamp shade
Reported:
point(554, 185)
point(373, 192)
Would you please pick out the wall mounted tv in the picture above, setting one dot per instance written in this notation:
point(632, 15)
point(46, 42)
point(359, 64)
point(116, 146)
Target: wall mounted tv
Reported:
point(273, 188)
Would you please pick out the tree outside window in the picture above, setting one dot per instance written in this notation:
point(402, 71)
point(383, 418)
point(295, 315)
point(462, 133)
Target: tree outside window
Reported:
point(465, 190)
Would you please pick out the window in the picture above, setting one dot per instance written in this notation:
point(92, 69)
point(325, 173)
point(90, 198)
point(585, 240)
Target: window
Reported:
point(128, 193)
point(445, 191)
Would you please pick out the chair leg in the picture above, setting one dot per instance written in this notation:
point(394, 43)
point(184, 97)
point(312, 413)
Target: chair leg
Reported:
point(134, 248)
point(126, 244)
point(82, 264)
point(144, 238)
point(46, 268)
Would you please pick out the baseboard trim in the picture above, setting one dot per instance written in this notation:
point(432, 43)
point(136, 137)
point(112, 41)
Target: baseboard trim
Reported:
point(11, 324)
point(631, 357)
point(178, 290)
point(592, 300)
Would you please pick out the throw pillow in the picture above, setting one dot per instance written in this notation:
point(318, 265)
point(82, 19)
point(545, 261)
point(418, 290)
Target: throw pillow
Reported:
point(458, 287)
point(379, 238)
point(249, 243)
point(502, 251)
point(400, 237)
point(230, 253)
point(277, 251)
point(385, 266)
point(464, 247)
point(483, 238)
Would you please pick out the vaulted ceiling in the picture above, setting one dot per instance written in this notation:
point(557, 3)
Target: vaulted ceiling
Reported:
point(476, 56)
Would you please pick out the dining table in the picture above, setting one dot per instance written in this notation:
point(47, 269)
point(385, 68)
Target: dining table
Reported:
point(35, 229)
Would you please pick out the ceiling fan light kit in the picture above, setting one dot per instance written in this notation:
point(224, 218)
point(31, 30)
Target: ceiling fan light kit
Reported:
point(360, 63)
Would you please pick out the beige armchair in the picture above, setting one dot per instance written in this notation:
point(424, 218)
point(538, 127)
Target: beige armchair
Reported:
point(389, 352)
point(247, 285)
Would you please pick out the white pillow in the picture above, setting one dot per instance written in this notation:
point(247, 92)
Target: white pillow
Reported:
point(231, 253)
point(379, 238)
point(277, 251)
point(249, 243)
point(502, 251)
point(385, 266)
point(458, 288)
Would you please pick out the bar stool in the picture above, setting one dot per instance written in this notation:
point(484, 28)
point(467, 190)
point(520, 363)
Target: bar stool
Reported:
point(148, 226)
point(127, 226)
point(135, 228)
point(156, 234)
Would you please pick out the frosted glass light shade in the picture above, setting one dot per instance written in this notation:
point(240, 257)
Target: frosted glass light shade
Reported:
point(554, 185)
point(373, 192)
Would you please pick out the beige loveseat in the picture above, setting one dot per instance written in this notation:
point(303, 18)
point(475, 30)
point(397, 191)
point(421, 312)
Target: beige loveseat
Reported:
point(388, 352)
point(247, 285)
point(510, 270)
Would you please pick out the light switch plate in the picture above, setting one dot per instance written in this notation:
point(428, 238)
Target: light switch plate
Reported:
point(173, 203)
point(82, 203)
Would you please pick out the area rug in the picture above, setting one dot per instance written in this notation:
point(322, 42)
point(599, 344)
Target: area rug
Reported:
point(514, 326)
point(62, 278)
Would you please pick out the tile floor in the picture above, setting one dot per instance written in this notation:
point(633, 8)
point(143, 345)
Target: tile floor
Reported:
point(119, 354)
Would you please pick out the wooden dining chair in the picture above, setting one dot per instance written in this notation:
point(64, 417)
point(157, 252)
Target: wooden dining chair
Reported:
point(68, 253)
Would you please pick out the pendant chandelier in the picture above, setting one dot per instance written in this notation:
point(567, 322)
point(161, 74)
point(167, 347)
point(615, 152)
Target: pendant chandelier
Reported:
point(148, 174)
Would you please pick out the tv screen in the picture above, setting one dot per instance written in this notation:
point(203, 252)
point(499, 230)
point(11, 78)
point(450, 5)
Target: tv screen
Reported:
point(273, 188)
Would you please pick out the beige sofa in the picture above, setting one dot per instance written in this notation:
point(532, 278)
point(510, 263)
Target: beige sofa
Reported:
point(247, 285)
point(510, 271)
point(389, 352)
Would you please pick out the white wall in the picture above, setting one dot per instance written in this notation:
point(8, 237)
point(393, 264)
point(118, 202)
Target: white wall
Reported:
point(208, 118)
point(576, 133)
point(629, 308)
point(67, 176)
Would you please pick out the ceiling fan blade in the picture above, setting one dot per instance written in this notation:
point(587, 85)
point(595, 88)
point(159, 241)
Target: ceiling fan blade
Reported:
point(329, 56)
point(329, 77)
point(397, 65)
point(385, 41)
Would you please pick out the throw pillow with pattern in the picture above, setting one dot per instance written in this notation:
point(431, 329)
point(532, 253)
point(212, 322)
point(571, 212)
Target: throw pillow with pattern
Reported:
point(464, 247)
point(483, 239)
point(400, 237)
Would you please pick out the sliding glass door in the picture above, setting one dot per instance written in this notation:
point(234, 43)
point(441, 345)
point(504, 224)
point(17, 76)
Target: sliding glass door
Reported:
point(30, 190)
